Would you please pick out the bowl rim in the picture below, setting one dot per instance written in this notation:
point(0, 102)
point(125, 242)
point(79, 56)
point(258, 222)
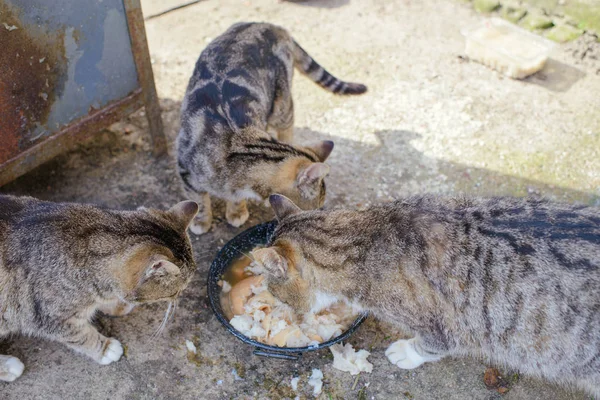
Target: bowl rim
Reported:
point(214, 275)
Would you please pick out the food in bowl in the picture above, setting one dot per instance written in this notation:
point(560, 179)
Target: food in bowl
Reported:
point(256, 313)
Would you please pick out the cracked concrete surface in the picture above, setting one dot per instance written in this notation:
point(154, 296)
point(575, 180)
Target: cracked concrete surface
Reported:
point(431, 122)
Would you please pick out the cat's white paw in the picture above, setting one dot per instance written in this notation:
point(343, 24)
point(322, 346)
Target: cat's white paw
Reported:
point(112, 353)
point(403, 354)
point(239, 219)
point(11, 368)
point(200, 227)
point(125, 309)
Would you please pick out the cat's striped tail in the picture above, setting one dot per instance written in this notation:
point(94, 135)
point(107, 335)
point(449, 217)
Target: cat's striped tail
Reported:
point(319, 75)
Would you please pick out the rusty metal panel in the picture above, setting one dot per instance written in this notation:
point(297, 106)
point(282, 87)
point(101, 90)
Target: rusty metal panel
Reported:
point(141, 55)
point(60, 61)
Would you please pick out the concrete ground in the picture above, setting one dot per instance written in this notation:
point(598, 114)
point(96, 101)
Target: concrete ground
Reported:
point(431, 122)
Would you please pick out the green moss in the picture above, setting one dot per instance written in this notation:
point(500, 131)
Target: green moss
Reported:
point(198, 359)
point(486, 6)
point(514, 378)
point(513, 14)
point(563, 171)
point(586, 14)
point(536, 21)
point(563, 33)
point(276, 390)
point(547, 5)
point(241, 369)
point(362, 394)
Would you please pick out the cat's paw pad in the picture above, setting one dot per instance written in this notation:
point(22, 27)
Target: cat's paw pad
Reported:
point(112, 352)
point(238, 219)
point(11, 369)
point(403, 354)
point(200, 227)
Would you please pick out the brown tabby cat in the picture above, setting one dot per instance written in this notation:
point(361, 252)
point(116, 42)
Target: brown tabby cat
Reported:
point(60, 263)
point(241, 86)
point(516, 281)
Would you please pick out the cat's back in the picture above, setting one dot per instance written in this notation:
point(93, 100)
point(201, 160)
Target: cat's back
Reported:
point(15, 210)
point(232, 88)
point(566, 233)
point(10, 208)
point(533, 236)
point(27, 215)
point(248, 44)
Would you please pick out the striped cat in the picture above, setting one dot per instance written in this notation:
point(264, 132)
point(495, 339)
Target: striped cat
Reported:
point(515, 281)
point(240, 88)
point(60, 263)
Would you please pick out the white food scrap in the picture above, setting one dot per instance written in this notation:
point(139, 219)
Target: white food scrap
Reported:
point(190, 346)
point(9, 27)
point(259, 315)
point(294, 383)
point(255, 268)
point(349, 360)
point(225, 286)
point(316, 381)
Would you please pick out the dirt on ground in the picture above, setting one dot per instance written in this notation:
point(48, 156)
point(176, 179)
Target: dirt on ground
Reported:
point(431, 122)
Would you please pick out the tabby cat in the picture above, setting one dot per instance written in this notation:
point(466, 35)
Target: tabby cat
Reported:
point(60, 263)
point(240, 88)
point(516, 281)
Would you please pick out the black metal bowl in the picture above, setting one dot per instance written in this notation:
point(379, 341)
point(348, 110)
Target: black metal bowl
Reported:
point(244, 243)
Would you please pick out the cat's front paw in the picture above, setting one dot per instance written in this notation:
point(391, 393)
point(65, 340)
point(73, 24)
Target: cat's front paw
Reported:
point(112, 352)
point(238, 218)
point(403, 354)
point(200, 227)
point(11, 368)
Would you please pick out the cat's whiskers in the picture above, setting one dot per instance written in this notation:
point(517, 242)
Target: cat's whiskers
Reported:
point(248, 256)
point(168, 314)
point(166, 318)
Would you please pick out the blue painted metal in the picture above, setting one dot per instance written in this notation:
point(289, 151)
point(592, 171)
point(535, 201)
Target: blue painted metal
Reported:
point(98, 65)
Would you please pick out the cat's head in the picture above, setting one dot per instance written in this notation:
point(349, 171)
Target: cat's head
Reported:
point(159, 266)
point(302, 179)
point(291, 259)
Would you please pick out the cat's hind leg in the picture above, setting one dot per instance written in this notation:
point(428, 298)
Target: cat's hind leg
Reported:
point(10, 368)
point(411, 353)
point(282, 117)
point(237, 213)
point(286, 134)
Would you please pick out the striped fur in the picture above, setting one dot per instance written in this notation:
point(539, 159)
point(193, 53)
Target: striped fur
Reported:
point(241, 89)
point(307, 65)
point(515, 281)
point(60, 263)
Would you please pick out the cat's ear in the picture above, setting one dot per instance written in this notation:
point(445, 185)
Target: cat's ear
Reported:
point(184, 212)
point(283, 206)
point(161, 268)
point(323, 149)
point(312, 174)
point(275, 264)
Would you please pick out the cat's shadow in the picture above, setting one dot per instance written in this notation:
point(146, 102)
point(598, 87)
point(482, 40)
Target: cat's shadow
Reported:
point(394, 167)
